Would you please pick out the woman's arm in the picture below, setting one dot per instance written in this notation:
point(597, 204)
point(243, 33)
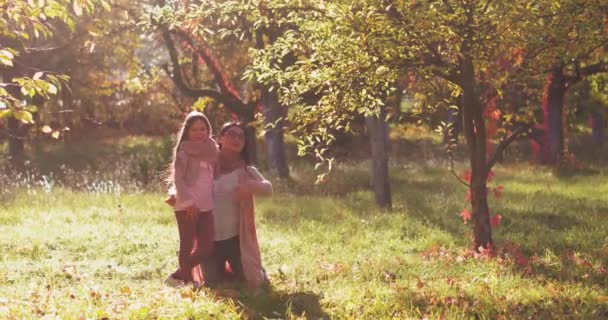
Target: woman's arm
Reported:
point(259, 184)
point(210, 151)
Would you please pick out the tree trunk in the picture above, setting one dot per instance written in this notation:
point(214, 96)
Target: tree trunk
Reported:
point(475, 132)
point(598, 125)
point(274, 120)
point(248, 121)
point(378, 132)
point(16, 139)
point(553, 108)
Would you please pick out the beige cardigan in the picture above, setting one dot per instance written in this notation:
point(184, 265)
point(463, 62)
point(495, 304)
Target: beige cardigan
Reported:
point(251, 259)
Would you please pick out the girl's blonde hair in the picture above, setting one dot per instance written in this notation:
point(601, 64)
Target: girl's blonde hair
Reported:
point(181, 136)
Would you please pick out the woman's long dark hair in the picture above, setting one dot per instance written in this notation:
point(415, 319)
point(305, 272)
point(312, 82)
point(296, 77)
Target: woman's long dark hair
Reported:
point(245, 152)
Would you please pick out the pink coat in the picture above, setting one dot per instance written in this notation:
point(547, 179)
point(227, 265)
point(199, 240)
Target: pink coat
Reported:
point(251, 259)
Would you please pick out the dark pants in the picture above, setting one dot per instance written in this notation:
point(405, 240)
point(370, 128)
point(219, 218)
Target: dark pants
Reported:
point(214, 267)
point(195, 243)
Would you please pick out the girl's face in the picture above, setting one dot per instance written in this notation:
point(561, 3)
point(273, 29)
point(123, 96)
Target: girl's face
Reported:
point(233, 139)
point(198, 131)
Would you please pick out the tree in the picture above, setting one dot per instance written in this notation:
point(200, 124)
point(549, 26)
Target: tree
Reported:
point(27, 31)
point(355, 51)
point(211, 32)
point(569, 44)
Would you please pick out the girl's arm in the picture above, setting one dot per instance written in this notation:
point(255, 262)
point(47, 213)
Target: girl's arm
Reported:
point(181, 189)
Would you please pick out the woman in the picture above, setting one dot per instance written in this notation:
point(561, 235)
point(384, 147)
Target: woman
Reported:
point(236, 182)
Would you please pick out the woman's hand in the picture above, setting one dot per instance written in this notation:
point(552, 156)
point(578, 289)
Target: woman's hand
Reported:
point(244, 190)
point(171, 200)
point(192, 210)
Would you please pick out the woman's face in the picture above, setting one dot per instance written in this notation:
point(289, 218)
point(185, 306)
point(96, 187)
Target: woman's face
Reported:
point(198, 131)
point(233, 139)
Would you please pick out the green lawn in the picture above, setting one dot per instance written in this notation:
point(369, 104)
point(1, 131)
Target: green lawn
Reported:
point(104, 252)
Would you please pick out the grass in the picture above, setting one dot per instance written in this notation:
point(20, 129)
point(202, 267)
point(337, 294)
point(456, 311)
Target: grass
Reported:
point(74, 253)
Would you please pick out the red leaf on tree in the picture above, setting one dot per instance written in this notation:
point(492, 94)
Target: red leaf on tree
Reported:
point(491, 129)
point(411, 81)
point(489, 146)
point(495, 220)
point(467, 176)
point(466, 215)
point(490, 176)
point(498, 191)
point(518, 55)
point(469, 195)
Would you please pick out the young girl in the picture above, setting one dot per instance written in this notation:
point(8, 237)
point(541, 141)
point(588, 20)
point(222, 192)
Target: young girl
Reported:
point(191, 176)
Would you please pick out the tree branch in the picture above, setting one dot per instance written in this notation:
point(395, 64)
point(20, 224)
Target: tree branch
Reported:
point(455, 174)
point(503, 145)
point(204, 52)
point(587, 71)
point(177, 75)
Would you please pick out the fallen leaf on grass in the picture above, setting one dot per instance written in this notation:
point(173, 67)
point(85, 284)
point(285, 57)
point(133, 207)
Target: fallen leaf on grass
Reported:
point(420, 284)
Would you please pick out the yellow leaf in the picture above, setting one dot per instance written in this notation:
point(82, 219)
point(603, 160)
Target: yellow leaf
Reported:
point(24, 116)
point(55, 134)
point(5, 113)
point(77, 8)
point(46, 129)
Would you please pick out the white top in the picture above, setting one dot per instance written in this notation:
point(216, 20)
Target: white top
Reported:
point(226, 213)
point(201, 191)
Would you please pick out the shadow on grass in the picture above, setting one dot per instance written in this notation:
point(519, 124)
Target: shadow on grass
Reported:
point(281, 305)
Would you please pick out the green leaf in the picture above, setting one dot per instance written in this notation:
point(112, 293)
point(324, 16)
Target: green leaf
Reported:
point(25, 91)
point(7, 53)
point(5, 113)
point(31, 108)
point(24, 116)
point(106, 5)
point(52, 89)
point(77, 8)
point(6, 58)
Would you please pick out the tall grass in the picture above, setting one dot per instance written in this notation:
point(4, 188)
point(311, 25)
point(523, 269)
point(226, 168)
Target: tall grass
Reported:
point(72, 249)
